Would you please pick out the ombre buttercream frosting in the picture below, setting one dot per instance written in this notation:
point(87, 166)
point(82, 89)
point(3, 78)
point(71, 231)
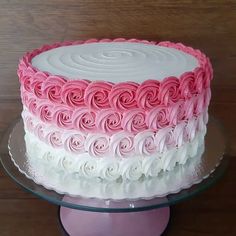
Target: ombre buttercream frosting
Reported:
point(116, 106)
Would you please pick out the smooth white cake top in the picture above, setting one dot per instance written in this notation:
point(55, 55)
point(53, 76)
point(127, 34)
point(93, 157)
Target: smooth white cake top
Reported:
point(115, 62)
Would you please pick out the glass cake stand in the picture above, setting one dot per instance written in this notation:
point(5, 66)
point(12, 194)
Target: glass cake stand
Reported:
point(83, 216)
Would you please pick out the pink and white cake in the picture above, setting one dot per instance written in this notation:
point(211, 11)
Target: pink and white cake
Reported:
point(114, 109)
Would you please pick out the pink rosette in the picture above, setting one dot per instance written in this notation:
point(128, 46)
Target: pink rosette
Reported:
point(62, 117)
point(74, 143)
point(84, 120)
point(144, 143)
point(199, 75)
point(26, 82)
point(53, 138)
point(147, 94)
point(36, 84)
point(164, 139)
point(189, 108)
point(32, 105)
point(45, 112)
point(122, 144)
point(187, 85)
point(51, 88)
point(199, 104)
point(122, 96)
point(108, 121)
point(97, 145)
point(169, 91)
point(96, 95)
point(72, 93)
point(39, 132)
point(209, 74)
point(207, 97)
point(176, 113)
point(21, 68)
point(134, 121)
point(157, 118)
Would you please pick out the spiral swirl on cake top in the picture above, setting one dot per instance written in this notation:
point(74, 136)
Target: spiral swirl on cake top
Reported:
point(115, 62)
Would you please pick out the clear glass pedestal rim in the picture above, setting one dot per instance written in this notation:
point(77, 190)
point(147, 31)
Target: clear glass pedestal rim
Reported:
point(109, 205)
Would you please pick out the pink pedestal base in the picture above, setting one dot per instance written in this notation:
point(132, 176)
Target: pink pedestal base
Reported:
point(84, 223)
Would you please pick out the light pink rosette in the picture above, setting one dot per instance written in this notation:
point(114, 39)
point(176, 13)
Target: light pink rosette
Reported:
point(178, 134)
point(122, 144)
point(122, 96)
point(22, 68)
point(24, 96)
point(144, 143)
point(176, 113)
point(84, 120)
point(108, 121)
point(188, 108)
point(54, 139)
point(36, 84)
point(32, 105)
point(191, 129)
point(169, 91)
point(39, 132)
point(157, 118)
point(199, 104)
point(62, 117)
point(72, 92)
point(96, 95)
point(51, 88)
point(187, 85)
point(97, 145)
point(134, 121)
point(147, 94)
point(164, 139)
point(45, 111)
point(199, 75)
point(75, 143)
point(28, 121)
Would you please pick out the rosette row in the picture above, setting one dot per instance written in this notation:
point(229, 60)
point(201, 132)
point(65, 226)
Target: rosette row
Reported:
point(120, 144)
point(112, 169)
point(121, 97)
point(110, 121)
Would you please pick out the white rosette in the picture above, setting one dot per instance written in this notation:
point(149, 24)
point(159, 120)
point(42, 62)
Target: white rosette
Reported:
point(87, 167)
point(169, 159)
point(131, 169)
point(69, 163)
point(151, 166)
point(193, 147)
point(51, 158)
point(182, 154)
point(144, 143)
point(109, 169)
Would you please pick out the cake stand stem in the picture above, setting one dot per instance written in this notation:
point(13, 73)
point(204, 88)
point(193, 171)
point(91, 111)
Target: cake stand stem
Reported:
point(86, 223)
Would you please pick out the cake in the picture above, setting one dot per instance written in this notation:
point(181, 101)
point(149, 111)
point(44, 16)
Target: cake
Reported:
point(114, 109)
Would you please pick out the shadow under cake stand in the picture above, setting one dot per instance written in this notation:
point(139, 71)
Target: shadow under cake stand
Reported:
point(147, 215)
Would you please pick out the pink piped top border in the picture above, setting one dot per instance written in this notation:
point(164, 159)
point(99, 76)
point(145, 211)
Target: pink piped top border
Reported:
point(97, 95)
